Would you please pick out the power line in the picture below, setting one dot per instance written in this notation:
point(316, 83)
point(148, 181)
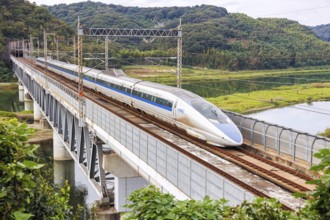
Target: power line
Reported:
point(295, 11)
point(317, 108)
point(318, 112)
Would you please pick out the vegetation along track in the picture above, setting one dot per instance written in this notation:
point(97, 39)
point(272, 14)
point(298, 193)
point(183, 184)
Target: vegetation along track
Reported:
point(276, 173)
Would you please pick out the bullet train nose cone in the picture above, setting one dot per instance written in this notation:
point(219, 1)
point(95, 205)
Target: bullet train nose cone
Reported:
point(231, 131)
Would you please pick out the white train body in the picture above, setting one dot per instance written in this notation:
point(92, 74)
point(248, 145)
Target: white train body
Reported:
point(180, 107)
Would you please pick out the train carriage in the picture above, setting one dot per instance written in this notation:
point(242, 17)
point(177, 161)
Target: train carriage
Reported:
point(183, 108)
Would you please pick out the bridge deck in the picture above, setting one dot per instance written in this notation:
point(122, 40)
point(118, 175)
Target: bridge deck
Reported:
point(153, 151)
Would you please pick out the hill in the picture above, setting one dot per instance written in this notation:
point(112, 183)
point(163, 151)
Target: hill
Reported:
point(322, 31)
point(212, 37)
point(19, 19)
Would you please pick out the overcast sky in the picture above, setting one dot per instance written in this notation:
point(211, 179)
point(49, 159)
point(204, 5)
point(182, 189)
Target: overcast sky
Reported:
point(307, 12)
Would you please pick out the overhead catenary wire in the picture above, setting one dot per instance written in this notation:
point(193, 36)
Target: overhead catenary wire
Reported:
point(295, 11)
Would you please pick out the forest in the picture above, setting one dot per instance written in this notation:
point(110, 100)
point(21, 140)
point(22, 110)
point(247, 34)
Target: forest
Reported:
point(18, 20)
point(212, 37)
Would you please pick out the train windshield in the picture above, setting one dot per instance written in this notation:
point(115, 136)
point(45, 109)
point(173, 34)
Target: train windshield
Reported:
point(209, 111)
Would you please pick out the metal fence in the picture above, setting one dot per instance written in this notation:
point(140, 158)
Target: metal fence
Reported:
point(283, 140)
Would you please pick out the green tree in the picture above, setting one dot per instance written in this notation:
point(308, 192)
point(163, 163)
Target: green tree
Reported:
point(151, 203)
point(25, 193)
point(212, 37)
point(319, 200)
point(20, 19)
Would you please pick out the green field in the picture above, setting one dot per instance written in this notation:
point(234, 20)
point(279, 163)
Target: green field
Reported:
point(168, 73)
point(244, 102)
point(279, 97)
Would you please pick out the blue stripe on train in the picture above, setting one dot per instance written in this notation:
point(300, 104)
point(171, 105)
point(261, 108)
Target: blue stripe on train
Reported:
point(113, 89)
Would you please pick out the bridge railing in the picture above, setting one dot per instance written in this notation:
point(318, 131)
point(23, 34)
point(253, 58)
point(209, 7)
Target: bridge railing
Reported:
point(285, 141)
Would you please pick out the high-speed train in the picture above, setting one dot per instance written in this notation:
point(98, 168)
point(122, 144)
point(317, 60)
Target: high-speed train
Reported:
point(179, 107)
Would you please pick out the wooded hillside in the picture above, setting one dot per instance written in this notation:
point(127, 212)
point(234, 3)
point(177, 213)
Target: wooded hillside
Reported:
point(19, 19)
point(322, 31)
point(213, 37)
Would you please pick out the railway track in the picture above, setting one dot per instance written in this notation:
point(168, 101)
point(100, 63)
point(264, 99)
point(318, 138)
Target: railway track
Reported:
point(279, 174)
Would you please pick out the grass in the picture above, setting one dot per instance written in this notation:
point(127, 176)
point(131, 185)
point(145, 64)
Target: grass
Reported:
point(166, 74)
point(7, 114)
point(25, 112)
point(8, 86)
point(21, 114)
point(278, 97)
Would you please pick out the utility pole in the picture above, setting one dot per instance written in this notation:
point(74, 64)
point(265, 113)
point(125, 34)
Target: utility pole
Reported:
point(179, 57)
point(31, 46)
point(45, 45)
point(56, 39)
point(80, 75)
point(45, 48)
point(74, 49)
point(106, 52)
point(23, 48)
point(38, 45)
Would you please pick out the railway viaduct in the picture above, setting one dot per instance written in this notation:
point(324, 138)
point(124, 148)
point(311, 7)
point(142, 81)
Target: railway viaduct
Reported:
point(135, 152)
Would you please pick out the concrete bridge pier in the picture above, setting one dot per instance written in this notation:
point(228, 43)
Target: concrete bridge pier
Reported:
point(20, 92)
point(28, 101)
point(36, 111)
point(127, 179)
point(63, 170)
point(59, 150)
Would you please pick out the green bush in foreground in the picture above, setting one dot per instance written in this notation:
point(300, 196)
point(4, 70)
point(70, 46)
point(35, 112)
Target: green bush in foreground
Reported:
point(25, 193)
point(151, 203)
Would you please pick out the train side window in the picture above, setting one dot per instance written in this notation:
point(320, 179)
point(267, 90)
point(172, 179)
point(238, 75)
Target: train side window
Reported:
point(137, 93)
point(158, 100)
point(99, 81)
point(149, 97)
